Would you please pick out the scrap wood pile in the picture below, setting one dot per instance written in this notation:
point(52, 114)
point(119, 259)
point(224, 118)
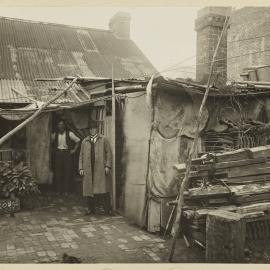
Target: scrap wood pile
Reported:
point(236, 181)
point(244, 134)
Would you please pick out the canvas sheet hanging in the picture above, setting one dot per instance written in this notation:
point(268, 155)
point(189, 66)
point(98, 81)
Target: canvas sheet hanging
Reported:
point(163, 183)
point(171, 140)
point(154, 216)
point(178, 112)
point(164, 154)
point(38, 144)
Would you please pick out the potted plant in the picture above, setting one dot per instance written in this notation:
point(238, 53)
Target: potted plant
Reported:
point(16, 184)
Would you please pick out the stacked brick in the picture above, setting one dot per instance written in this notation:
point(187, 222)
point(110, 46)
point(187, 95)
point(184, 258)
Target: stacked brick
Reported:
point(248, 37)
point(208, 25)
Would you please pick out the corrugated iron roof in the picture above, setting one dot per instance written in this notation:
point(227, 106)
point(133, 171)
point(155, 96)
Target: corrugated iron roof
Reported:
point(30, 50)
point(40, 91)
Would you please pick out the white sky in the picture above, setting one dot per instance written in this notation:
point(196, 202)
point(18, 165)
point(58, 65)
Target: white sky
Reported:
point(166, 35)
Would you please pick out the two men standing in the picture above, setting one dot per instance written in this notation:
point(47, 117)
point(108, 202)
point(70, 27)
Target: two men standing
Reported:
point(95, 162)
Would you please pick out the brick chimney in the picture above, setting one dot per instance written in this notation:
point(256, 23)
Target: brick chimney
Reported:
point(209, 24)
point(120, 25)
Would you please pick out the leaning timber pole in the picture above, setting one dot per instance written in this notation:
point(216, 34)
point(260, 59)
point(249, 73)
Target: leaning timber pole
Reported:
point(184, 185)
point(33, 116)
point(113, 144)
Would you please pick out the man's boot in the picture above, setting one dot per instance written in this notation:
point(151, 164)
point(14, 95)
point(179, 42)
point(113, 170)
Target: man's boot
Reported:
point(91, 207)
point(107, 204)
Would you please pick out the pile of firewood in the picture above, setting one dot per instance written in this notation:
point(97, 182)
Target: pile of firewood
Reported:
point(236, 181)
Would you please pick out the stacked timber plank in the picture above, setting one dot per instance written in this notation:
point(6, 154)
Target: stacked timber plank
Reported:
point(239, 167)
point(236, 181)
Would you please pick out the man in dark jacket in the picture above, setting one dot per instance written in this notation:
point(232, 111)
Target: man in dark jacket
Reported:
point(95, 164)
point(65, 143)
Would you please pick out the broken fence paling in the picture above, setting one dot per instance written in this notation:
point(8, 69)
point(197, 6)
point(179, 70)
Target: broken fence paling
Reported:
point(231, 182)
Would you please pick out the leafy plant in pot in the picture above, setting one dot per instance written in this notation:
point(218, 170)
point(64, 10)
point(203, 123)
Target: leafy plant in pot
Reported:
point(16, 181)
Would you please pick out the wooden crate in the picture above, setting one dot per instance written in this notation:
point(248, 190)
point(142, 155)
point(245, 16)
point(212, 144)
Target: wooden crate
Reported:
point(225, 237)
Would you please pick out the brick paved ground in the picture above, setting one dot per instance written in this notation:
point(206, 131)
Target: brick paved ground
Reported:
point(42, 235)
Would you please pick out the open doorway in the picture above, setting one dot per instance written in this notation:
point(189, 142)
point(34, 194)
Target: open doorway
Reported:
point(64, 163)
point(77, 121)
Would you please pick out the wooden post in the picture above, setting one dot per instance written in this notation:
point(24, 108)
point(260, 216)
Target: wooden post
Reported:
point(184, 184)
point(33, 116)
point(113, 144)
point(225, 237)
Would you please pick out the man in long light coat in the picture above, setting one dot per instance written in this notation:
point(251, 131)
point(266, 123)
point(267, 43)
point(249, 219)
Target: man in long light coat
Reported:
point(95, 164)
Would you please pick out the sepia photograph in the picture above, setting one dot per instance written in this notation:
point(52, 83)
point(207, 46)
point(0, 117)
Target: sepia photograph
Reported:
point(134, 134)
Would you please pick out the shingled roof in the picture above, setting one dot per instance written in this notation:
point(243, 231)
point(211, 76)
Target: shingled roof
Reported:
point(30, 50)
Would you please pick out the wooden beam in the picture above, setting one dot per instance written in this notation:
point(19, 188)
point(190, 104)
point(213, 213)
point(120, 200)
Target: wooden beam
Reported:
point(71, 78)
point(123, 89)
point(203, 87)
point(254, 207)
point(75, 96)
point(249, 179)
point(33, 116)
point(85, 93)
point(89, 79)
point(226, 164)
point(252, 82)
point(113, 142)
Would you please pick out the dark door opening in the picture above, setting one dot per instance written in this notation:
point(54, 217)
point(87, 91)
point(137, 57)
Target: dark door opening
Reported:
point(74, 185)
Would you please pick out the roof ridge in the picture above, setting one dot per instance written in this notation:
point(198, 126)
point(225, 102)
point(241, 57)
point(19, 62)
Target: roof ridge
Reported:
point(53, 24)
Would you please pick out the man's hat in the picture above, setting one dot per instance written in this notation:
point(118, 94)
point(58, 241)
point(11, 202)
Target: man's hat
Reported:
point(61, 121)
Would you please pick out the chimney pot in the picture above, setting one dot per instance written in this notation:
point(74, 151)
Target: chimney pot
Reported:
point(120, 25)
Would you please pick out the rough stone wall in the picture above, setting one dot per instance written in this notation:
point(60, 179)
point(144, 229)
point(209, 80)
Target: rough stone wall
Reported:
point(248, 37)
